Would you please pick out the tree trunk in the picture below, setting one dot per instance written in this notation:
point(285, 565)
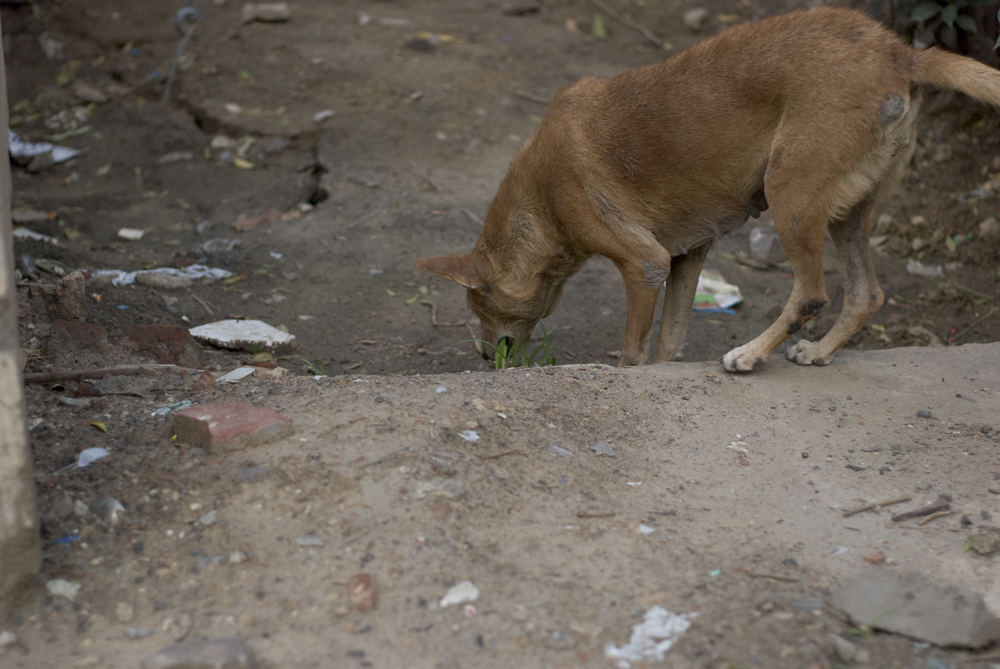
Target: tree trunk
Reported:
point(20, 553)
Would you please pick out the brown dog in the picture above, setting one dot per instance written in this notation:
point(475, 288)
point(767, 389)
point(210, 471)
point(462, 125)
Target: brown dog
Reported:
point(810, 113)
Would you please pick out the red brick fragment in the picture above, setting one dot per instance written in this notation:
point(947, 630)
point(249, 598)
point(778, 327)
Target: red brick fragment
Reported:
point(230, 425)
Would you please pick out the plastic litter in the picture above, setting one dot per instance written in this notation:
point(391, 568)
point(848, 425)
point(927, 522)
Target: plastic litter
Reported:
point(26, 151)
point(440, 389)
point(559, 450)
point(271, 11)
point(131, 234)
point(766, 246)
point(176, 406)
point(192, 272)
point(652, 638)
point(236, 375)
point(469, 435)
point(90, 455)
point(461, 593)
point(714, 295)
point(917, 268)
point(309, 541)
point(25, 233)
point(645, 529)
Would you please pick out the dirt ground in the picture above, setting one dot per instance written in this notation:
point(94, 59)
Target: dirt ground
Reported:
point(348, 140)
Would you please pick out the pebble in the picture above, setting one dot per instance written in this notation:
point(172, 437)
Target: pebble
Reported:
point(603, 448)
point(695, 18)
point(7, 639)
point(138, 632)
point(985, 542)
point(205, 654)
point(559, 450)
point(924, 414)
point(361, 591)
point(80, 508)
point(208, 518)
point(125, 612)
point(58, 587)
point(309, 541)
point(924, 485)
point(87, 661)
point(109, 510)
point(463, 592)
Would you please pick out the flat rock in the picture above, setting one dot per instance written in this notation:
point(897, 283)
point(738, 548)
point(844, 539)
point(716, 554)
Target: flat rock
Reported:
point(204, 654)
point(244, 335)
point(912, 604)
point(230, 424)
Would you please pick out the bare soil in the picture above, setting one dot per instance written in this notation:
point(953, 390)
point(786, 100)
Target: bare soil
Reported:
point(421, 132)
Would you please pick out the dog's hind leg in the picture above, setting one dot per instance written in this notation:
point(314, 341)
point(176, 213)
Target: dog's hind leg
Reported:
point(798, 186)
point(677, 302)
point(862, 295)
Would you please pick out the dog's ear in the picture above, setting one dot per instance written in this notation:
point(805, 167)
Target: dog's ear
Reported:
point(461, 268)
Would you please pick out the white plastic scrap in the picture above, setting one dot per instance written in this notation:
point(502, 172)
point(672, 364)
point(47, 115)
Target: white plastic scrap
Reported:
point(440, 389)
point(25, 233)
point(236, 375)
point(651, 638)
point(556, 449)
point(21, 149)
point(469, 435)
point(603, 448)
point(463, 592)
point(917, 268)
point(192, 272)
point(89, 455)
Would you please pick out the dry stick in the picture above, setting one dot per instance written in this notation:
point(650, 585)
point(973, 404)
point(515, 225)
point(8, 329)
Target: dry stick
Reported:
point(643, 30)
point(100, 373)
point(992, 311)
point(595, 514)
point(203, 303)
point(940, 505)
point(531, 97)
point(939, 514)
point(364, 218)
point(867, 507)
point(434, 320)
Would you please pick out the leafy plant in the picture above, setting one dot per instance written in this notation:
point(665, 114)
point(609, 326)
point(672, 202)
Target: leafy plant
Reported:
point(516, 355)
point(942, 21)
point(312, 368)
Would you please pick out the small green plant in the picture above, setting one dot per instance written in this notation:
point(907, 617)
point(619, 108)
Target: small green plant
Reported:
point(312, 368)
point(516, 354)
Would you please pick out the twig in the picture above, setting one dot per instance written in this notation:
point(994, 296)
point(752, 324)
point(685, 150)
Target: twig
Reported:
point(475, 219)
point(203, 303)
point(531, 97)
point(940, 505)
point(500, 454)
point(364, 218)
point(970, 291)
point(643, 30)
point(434, 320)
point(976, 322)
point(939, 514)
point(103, 372)
point(868, 507)
point(475, 339)
point(595, 514)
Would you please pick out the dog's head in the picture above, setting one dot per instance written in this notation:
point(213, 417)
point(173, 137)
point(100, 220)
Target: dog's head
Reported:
point(503, 314)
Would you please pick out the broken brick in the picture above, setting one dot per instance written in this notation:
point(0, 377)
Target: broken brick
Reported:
point(231, 425)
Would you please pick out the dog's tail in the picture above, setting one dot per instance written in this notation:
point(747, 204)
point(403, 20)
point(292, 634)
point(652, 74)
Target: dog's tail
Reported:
point(959, 73)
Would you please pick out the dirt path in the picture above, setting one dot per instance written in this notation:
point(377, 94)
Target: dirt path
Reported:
point(332, 213)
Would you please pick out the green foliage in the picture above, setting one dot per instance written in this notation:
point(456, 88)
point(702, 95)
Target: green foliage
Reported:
point(312, 368)
point(942, 21)
point(516, 354)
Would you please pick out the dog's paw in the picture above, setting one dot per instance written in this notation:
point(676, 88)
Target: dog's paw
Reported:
point(741, 359)
point(807, 353)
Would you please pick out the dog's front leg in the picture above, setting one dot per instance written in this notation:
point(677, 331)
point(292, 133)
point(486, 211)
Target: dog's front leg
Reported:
point(677, 302)
point(641, 298)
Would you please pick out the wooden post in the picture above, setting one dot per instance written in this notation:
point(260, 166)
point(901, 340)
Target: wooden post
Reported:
point(20, 553)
